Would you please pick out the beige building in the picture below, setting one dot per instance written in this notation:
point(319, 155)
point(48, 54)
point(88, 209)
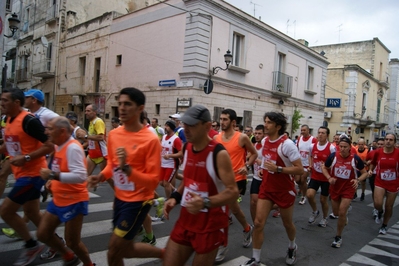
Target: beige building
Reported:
point(357, 88)
point(169, 51)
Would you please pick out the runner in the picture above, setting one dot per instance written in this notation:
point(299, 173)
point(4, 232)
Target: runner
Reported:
point(340, 171)
point(318, 155)
point(385, 162)
point(280, 160)
point(237, 144)
point(135, 169)
point(67, 184)
point(27, 146)
point(208, 186)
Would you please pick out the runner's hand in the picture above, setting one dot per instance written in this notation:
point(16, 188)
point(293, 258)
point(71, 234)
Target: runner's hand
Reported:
point(169, 205)
point(195, 203)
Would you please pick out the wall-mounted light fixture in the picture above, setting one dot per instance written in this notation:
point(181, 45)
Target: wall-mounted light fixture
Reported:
point(13, 24)
point(227, 59)
point(281, 102)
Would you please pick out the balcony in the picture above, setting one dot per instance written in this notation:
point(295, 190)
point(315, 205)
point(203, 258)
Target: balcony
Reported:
point(52, 13)
point(282, 84)
point(42, 69)
point(22, 74)
point(381, 120)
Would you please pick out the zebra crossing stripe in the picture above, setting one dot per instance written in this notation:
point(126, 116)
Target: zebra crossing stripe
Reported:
point(357, 258)
point(377, 251)
point(383, 243)
point(101, 257)
point(237, 261)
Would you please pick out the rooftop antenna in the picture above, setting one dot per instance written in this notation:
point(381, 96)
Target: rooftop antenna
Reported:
point(252, 3)
point(294, 28)
point(339, 33)
point(288, 24)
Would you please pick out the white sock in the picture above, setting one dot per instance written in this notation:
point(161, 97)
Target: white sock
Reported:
point(292, 244)
point(155, 202)
point(256, 254)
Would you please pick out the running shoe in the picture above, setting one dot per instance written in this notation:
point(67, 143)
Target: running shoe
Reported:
point(28, 255)
point(152, 241)
point(332, 216)
point(50, 252)
point(290, 259)
point(230, 219)
point(378, 219)
point(276, 214)
point(73, 262)
point(323, 222)
point(302, 201)
point(383, 230)
point(375, 213)
point(251, 262)
point(337, 242)
point(159, 212)
point(239, 199)
point(9, 232)
point(222, 251)
point(313, 217)
point(248, 237)
point(362, 197)
point(156, 219)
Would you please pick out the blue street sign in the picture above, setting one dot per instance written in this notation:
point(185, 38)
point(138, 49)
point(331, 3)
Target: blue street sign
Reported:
point(333, 102)
point(167, 83)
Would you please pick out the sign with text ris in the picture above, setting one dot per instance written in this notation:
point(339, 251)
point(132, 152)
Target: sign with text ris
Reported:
point(333, 103)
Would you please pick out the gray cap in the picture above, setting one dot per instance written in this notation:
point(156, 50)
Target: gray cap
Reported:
point(196, 114)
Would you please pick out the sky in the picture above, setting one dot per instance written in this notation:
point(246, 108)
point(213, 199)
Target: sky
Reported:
point(322, 22)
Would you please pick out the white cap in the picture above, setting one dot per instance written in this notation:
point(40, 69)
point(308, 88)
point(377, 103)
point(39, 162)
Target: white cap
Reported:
point(175, 116)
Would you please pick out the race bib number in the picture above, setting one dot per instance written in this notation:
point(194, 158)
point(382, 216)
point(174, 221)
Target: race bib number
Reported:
point(13, 146)
point(317, 167)
point(264, 164)
point(304, 154)
point(55, 165)
point(91, 144)
point(388, 175)
point(196, 188)
point(165, 151)
point(121, 180)
point(342, 173)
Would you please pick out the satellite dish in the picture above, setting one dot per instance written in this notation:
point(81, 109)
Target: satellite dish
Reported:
point(44, 41)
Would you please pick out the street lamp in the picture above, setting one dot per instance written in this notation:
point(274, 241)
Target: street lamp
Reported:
point(227, 59)
point(13, 23)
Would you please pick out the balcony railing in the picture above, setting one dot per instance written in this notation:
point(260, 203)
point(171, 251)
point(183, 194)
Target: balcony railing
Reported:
point(43, 69)
point(22, 74)
point(282, 84)
point(52, 13)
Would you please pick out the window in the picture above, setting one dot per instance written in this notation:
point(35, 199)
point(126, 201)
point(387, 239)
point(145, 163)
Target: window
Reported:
point(49, 53)
point(115, 111)
point(217, 111)
point(8, 5)
point(157, 109)
point(281, 62)
point(26, 20)
point(238, 49)
point(97, 67)
point(82, 66)
point(119, 60)
point(309, 85)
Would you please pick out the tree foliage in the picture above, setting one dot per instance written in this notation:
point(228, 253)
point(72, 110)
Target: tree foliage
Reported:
point(295, 120)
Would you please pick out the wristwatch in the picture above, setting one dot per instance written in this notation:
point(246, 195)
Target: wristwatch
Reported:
point(279, 169)
point(207, 203)
point(86, 136)
point(51, 176)
point(248, 167)
point(125, 168)
point(27, 158)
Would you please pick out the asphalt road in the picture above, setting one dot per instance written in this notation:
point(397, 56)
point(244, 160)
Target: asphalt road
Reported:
point(361, 243)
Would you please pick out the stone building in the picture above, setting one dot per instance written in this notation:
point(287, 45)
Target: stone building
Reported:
point(357, 88)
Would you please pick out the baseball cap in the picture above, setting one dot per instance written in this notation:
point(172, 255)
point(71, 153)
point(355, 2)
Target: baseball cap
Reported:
point(171, 124)
point(196, 114)
point(35, 93)
point(72, 116)
point(176, 116)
